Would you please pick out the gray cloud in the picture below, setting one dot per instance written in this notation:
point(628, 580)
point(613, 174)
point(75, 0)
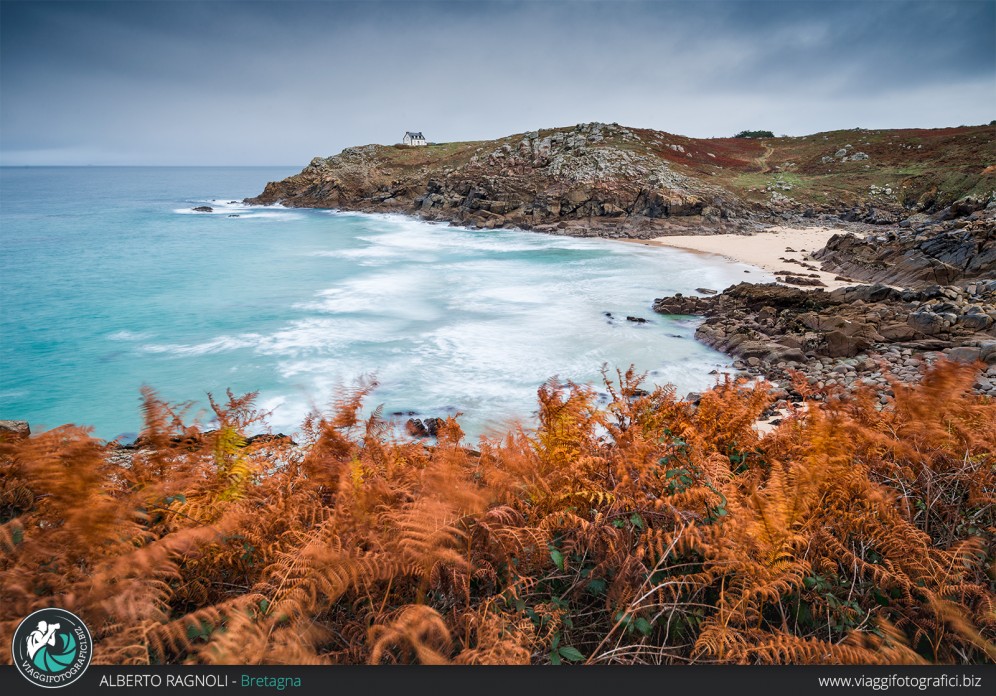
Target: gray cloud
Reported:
point(276, 83)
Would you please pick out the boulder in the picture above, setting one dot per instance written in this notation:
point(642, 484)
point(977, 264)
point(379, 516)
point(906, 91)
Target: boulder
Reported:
point(987, 352)
point(421, 428)
point(897, 332)
point(926, 322)
point(787, 354)
point(964, 354)
point(14, 430)
point(267, 438)
point(203, 209)
point(877, 216)
point(975, 322)
point(844, 345)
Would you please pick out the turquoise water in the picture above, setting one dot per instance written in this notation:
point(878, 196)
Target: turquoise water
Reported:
point(108, 281)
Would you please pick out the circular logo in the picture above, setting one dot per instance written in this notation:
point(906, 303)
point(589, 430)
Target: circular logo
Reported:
point(52, 648)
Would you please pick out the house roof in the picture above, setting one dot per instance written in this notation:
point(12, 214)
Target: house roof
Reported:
point(414, 135)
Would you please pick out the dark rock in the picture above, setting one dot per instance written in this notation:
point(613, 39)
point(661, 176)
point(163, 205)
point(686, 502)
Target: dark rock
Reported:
point(806, 282)
point(264, 438)
point(428, 427)
point(787, 355)
point(987, 352)
point(897, 332)
point(917, 256)
point(203, 209)
point(706, 291)
point(976, 322)
point(877, 216)
point(964, 354)
point(926, 322)
point(867, 293)
point(840, 344)
point(638, 320)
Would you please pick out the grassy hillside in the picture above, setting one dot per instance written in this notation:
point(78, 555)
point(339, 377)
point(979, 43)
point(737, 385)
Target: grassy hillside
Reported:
point(611, 176)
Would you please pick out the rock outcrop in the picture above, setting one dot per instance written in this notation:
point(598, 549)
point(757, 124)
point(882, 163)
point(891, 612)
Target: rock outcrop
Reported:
point(14, 430)
point(594, 177)
point(956, 245)
point(598, 179)
point(772, 329)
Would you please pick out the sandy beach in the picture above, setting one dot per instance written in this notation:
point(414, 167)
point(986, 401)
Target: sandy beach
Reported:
point(780, 249)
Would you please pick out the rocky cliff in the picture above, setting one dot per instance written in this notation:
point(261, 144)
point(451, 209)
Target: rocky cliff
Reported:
point(956, 244)
point(609, 180)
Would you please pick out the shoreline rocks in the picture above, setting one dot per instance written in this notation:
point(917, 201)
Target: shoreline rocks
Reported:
point(942, 250)
point(423, 427)
point(859, 334)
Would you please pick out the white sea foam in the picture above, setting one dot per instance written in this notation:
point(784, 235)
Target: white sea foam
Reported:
point(237, 210)
point(270, 215)
point(126, 335)
point(222, 344)
point(452, 319)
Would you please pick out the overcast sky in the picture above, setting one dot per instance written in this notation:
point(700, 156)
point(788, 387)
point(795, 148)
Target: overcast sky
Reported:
point(229, 82)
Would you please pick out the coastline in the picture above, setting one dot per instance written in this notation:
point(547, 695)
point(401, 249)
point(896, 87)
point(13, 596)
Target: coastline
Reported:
point(780, 250)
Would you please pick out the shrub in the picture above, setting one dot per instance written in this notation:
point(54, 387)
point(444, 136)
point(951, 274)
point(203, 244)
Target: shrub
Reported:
point(754, 134)
point(647, 531)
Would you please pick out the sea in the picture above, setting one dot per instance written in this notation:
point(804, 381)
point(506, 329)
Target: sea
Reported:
point(110, 281)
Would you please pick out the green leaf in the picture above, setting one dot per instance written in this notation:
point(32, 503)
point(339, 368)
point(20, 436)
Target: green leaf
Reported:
point(597, 586)
point(571, 654)
point(202, 630)
point(554, 658)
point(558, 558)
point(636, 520)
point(643, 626)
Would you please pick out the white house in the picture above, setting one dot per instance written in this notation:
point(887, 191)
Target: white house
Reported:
point(414, 139)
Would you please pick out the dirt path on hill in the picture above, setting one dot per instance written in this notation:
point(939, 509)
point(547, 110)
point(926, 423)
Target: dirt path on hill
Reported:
point(762, 161)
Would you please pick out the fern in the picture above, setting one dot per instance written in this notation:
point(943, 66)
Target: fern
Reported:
point(648, 531)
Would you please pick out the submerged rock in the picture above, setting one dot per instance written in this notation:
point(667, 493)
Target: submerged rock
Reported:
point(427, 427)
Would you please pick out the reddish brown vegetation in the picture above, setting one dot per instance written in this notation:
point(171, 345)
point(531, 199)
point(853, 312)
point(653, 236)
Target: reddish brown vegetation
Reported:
point(647, 532)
